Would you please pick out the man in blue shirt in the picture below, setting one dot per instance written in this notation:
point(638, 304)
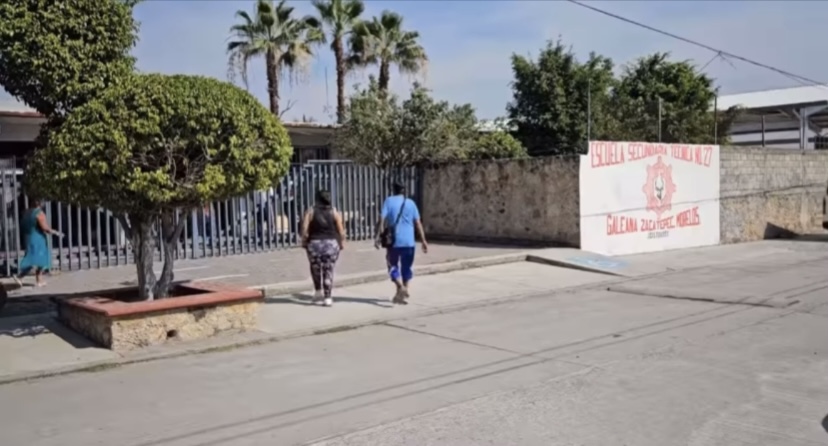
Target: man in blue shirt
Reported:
point(401, 216)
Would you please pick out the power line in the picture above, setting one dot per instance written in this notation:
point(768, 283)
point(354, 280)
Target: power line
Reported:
point(716, 57)
point(801, 79)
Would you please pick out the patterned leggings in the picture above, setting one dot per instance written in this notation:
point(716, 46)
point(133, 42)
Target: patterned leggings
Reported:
point(322, 255)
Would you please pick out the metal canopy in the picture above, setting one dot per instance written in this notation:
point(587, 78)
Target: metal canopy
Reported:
point(800, 109)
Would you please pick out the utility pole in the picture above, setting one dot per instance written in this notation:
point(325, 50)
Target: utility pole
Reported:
point(589, 112)
point(716, 118)
point(659, 119)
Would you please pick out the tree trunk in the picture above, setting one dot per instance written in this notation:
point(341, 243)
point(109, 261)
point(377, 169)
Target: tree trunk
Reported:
point(143, 244)
point(384, 75)
point(273, 81)
point(339, 55)
point(171, 233)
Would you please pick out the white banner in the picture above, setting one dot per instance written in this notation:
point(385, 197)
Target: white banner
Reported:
point(644, 197)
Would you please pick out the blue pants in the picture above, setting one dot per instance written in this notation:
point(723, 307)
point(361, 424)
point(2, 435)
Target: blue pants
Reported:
point(400, 261)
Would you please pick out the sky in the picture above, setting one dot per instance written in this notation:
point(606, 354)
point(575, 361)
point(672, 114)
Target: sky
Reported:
point(469, 43)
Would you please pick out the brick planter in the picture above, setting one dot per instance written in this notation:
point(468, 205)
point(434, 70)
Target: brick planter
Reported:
point(199, 311)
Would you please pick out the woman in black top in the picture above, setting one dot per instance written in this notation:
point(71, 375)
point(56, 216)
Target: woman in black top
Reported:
point(323, 236)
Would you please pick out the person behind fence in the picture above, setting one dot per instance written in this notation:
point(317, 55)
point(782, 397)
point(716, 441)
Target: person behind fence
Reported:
point(323, 236)
point(395, 232)
point(38, 256)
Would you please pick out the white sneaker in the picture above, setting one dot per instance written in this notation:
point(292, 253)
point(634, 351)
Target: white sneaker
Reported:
point(328, 302)
point(317, 297)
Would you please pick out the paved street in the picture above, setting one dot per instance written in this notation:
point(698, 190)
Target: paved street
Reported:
point(547, 356)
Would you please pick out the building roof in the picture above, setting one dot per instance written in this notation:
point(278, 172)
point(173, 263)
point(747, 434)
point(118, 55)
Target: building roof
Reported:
point(783, 98)
point(779, 110)
point(14, 108)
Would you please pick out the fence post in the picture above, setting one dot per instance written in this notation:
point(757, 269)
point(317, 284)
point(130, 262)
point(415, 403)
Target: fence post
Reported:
point(218, 229)
point(419, 175)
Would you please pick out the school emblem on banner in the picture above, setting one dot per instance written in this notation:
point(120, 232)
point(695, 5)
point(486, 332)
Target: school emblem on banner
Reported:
point(659, 188)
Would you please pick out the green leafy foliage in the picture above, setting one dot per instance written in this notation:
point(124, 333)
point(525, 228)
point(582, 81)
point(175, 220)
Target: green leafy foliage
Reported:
point(57, 55)
point(339, 17)
point(286, 43)
point(159, 142)
point(550, 97)
point(497, 145)
point(382, 131)
point(152, 145)
point(558, 102)
point(686, 99)
point(382, 41)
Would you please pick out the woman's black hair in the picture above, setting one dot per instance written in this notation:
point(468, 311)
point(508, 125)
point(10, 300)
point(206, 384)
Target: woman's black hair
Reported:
point(36, 201)
point(323, 197)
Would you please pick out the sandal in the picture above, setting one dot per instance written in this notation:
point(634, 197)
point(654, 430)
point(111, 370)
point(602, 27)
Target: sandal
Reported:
point(401, 297)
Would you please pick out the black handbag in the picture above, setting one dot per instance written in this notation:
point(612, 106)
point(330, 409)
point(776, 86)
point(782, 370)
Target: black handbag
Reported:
point(388, 235)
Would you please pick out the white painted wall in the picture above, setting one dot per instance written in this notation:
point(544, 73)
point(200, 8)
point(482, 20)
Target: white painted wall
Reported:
point(620, 185)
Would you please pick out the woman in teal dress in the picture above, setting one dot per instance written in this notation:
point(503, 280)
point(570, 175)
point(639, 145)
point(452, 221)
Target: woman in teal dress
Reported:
point(38, 255)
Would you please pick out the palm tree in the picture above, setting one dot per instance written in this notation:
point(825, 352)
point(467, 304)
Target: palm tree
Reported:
point(285, 42)
point(340, 16)
point(240, 49)
point(383, 42)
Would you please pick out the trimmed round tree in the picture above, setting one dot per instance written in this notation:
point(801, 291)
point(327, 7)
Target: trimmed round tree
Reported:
point(57, 55)
point(153, 146)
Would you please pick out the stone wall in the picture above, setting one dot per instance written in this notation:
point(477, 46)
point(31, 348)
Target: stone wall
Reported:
point(533, 200)
point(770, 193)
point(765, 193)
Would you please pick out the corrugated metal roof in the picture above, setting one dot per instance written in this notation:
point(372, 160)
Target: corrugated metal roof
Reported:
point(781, 98)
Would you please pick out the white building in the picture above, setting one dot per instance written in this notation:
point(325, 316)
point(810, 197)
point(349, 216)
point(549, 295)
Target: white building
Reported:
point(789, 118)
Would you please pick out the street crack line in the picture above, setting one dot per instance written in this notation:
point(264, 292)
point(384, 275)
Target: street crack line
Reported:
point(478, 344)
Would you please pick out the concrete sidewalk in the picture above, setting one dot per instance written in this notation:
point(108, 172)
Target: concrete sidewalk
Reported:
point(730, 274)
point(280, 271)
point(737, 274)
point(655, 263)
point(32, 346)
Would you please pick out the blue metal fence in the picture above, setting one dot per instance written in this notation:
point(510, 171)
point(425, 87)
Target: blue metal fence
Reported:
point(256, 222)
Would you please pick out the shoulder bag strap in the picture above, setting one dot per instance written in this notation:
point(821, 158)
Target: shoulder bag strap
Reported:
point(399, 215)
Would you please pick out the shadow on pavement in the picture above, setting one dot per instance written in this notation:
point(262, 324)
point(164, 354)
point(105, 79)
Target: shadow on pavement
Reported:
point(812, 238)
point(11, 287)
point(28, 304)
point(825, 424)
point(25, 301)
point(773, 231)
point(40, 325)
point(306, 300)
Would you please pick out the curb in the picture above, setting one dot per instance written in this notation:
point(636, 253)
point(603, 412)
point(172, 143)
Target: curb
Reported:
point(257, 338)
point(253, 339)
point(287, 288)
point(561, 264)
